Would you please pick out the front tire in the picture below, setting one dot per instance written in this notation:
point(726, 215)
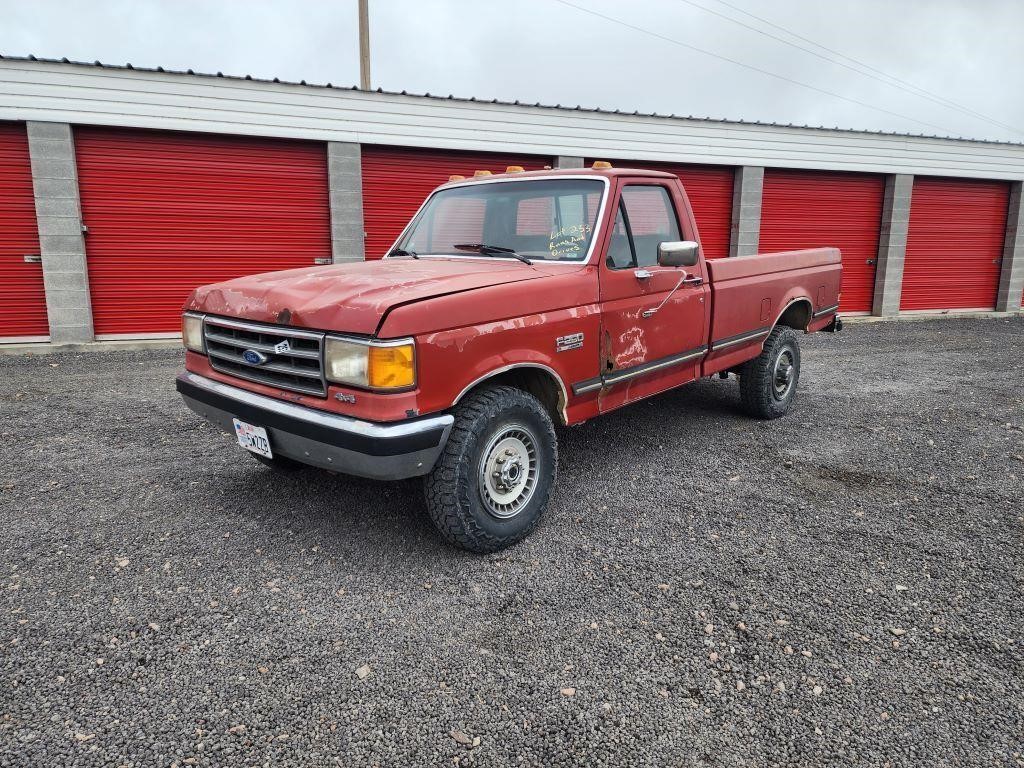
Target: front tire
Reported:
point(493, 480)
point(768, 382)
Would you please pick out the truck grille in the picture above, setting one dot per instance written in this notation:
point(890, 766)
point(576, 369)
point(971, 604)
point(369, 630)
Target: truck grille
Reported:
point(298, 367)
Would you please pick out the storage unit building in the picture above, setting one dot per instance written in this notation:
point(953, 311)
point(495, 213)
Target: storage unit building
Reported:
point(148, 183)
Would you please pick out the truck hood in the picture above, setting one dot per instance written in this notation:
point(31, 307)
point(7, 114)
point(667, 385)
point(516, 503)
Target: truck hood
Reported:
point(353, 297)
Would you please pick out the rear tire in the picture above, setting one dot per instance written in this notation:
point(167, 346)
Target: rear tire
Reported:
point(768, 382)
point(493, 480)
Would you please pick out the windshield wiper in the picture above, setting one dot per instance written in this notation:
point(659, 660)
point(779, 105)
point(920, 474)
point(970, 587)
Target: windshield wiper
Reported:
point(403, 252)
point(492, 250)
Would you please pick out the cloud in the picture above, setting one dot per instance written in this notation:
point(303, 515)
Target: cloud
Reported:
point(542, 50)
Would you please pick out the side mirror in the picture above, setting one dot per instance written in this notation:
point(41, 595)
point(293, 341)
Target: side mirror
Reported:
point(679, 253)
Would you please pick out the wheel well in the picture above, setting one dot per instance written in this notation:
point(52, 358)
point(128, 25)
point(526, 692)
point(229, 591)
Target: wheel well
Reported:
point(539, 382)
point(797, 315)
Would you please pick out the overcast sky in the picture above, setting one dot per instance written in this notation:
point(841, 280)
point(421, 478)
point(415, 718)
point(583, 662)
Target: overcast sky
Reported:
point(965, 51)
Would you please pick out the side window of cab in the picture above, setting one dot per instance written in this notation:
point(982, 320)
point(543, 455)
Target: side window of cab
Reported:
point(646, 218)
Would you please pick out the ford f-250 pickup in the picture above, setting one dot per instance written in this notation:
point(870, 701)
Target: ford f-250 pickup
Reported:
point(511, 303)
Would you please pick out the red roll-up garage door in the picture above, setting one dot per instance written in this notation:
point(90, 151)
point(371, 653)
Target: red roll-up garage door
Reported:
point(22, 300)
point(955, 244)
point(805, 209)
point(709, 188)
point(166, 212)
point(396, 181)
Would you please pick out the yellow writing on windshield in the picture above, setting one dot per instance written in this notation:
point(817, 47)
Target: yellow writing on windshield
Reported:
point(567, 242)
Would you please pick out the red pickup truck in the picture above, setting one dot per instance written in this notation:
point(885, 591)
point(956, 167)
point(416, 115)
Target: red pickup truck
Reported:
point(510, 304)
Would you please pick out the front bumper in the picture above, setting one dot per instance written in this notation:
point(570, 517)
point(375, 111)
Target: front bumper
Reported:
point(383, 451)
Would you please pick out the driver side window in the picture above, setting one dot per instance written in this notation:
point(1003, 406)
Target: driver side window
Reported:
point(652, 221)
point(620, 247)
point(645, 219)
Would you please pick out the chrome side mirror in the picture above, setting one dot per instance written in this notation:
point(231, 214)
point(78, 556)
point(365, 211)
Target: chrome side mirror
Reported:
point(678, 253)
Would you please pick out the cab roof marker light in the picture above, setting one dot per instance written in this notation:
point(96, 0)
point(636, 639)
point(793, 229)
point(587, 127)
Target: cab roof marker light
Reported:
point(477, 174)
point(514, 169)
point(456, 177)
point(601, 165)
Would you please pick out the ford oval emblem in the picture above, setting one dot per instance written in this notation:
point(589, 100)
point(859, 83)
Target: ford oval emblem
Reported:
point(254, 357)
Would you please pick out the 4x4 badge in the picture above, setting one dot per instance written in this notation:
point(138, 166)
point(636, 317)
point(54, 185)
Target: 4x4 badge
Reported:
point(572, 341)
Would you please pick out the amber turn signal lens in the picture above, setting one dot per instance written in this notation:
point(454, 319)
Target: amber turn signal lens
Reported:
point(392, 367)
point(601, 165)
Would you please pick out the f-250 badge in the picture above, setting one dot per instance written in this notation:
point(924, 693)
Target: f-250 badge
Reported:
point(572, 341)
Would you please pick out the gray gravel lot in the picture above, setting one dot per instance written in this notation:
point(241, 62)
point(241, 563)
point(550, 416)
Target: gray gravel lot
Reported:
point(842, 586)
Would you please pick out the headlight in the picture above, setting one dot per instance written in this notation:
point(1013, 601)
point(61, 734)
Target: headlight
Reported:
point(372, 365)
point(192, 332)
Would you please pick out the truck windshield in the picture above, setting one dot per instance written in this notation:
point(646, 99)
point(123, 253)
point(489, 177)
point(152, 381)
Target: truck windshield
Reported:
point(540, 219)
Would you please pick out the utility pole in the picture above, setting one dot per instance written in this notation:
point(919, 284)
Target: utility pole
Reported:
point(364, 45)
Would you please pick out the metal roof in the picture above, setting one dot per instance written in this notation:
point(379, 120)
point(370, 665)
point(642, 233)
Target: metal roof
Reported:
point(79, 94)
point(516, 103)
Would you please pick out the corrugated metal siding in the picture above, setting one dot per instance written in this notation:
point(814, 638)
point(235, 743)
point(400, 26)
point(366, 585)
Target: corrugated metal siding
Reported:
point(955, 244)
point(709, 188)
point(397, 180)
point(801, 209)
point(34, 90)
point(22, 299)
point(167, 212)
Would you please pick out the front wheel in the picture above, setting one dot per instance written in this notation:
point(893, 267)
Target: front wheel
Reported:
point(493, 480)
point(768, 382)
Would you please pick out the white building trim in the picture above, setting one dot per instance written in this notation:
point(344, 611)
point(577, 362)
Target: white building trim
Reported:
point(114, 96)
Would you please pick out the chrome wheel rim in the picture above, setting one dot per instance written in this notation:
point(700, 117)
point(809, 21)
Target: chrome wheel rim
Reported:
point(508, 471)
point(784, 374)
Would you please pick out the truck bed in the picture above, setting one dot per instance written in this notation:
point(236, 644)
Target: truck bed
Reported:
point(750, 293)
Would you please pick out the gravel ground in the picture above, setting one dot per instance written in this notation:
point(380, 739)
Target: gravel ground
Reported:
point(842, 586)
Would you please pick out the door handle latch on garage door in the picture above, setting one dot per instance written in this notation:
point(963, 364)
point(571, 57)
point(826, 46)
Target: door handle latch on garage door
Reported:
point(327, 260)
point(34, 258)
point(869, 261)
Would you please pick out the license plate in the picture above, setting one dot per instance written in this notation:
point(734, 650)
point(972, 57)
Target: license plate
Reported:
point(253, 438)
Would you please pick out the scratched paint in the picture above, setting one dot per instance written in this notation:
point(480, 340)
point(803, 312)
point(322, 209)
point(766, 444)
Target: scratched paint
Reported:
point(350, 298)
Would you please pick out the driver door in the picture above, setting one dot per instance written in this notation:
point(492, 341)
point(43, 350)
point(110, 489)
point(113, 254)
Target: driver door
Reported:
point(653, 318)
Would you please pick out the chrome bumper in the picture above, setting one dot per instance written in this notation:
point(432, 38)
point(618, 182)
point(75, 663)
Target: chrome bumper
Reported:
point(383, 451)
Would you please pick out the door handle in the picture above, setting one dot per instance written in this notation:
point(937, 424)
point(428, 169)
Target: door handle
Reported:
point(643, 274)
point(327, 260)
point(33, 258)
point(869, 261)
point(695, 280)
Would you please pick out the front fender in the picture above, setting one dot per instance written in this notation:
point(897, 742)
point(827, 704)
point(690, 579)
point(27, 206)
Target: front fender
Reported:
point(452, 362)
